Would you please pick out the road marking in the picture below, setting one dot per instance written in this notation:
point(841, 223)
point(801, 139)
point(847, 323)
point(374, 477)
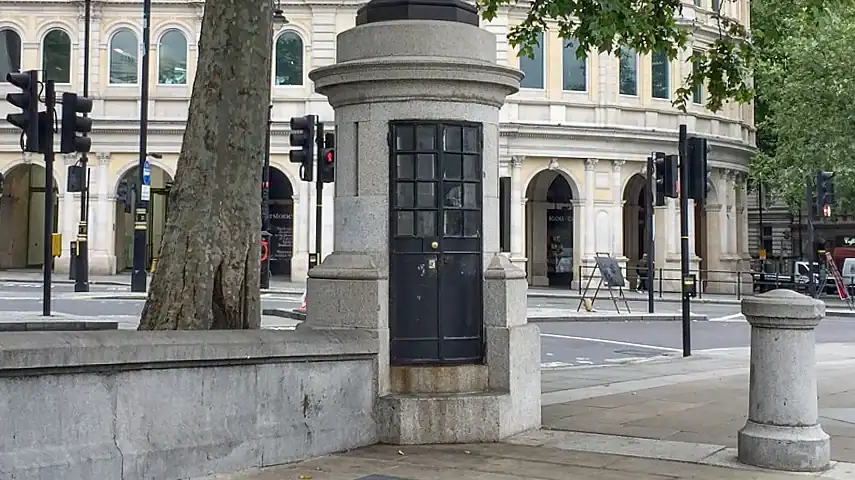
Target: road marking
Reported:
point(735, 318)
point(548, 365)
point(611, 342)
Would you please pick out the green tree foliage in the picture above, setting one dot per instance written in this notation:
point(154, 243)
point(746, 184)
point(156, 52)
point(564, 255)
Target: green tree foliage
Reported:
point(805, 97)
point(724, 69)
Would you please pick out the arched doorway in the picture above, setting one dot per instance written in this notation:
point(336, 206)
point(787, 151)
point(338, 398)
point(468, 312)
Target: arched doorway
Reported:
point(22, 217)
point(635, 225)
point(126, 197)
point(550, 232)
point(281, 223)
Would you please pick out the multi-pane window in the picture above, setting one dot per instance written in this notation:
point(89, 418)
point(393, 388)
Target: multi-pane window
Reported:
point(533, 67)
point(172, 58)
point(10, 53)
point(628, 72)
point(437, 181)
point(56, 56)
point(289, 59)
point(698, 90)
point(124, 58)
point(659, 72)
point(575, 69)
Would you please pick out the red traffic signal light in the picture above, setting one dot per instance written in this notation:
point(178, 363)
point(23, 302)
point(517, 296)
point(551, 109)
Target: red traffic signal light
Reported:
point(329, 156)
point(826, 210)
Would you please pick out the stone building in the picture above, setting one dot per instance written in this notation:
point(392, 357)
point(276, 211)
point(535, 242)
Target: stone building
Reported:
point(573, 141)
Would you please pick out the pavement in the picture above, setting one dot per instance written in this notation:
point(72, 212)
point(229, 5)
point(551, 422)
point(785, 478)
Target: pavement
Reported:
point(665, 419)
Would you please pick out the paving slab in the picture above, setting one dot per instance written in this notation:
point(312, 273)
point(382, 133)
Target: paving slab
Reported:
point(500, 461)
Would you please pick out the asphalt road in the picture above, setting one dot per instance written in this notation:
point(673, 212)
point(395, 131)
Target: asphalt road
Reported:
point(564, 344)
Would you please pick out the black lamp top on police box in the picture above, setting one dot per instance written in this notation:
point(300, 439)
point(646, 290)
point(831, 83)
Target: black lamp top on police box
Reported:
point(389, 10)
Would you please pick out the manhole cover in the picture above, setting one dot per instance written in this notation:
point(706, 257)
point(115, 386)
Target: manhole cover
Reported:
point(380, 477)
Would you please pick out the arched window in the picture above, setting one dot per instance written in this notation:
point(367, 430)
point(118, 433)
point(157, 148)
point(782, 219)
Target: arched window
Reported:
point(56, 56)
point(124, 58)
point(660, 72)
point(532, 67)
point(628, 72)
point(289, 59)
point(172, 59)
point(10, 53)
point(575, 69)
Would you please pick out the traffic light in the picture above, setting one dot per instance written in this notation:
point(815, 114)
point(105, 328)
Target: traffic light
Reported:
point(824, 192)
point(698, 169)
point(303, 137)
point(666, 177)
point(327, 161)
point(72, 124)
point(28, 101)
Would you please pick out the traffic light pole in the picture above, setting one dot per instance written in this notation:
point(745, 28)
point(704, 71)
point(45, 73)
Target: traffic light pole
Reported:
point(81, 270)
point(46, 124)
point(319, 192)
point(809, 201)
point(138, 275)
point(651, 253)
point(684, 241)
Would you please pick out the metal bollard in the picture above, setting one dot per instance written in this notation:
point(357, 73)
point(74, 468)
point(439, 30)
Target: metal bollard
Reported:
point(783, 431)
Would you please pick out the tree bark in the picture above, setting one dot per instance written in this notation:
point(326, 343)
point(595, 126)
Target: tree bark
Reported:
point(208, 269)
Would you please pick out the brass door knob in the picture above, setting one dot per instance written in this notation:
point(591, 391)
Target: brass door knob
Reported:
point(434, 245)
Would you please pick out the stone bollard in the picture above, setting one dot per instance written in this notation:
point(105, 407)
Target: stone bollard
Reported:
point(782, 431)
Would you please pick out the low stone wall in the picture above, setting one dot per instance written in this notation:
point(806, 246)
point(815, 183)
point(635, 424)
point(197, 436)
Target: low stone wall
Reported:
point(121, 405)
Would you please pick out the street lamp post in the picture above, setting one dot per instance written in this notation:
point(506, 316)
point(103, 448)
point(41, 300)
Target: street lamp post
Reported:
point(81, 270)
point(138, 274)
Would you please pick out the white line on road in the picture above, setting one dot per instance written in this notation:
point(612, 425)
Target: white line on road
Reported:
point(736, 317)
point(611, 342)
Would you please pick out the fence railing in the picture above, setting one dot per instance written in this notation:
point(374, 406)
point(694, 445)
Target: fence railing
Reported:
point(709, 282)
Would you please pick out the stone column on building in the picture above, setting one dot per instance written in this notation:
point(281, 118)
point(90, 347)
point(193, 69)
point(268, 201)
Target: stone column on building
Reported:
point(590, 217)
point(428, 77)
point(102, 219)
point(730, 177)
point(617, 208)
point(714, 250)
point(301, 236)
point(69, 213)
point(517, 212)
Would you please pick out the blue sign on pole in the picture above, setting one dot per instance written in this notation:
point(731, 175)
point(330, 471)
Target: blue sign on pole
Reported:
point(146, 173)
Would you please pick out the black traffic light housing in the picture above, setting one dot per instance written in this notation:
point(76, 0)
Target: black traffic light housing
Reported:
point(303, 137)
point(824, 191)
point(28, 101)
point(666, 177)
point(327, 159)
point(72, 124)
point(698, 169)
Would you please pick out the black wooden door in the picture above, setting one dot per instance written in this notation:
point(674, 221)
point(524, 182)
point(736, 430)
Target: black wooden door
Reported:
point(436, 280)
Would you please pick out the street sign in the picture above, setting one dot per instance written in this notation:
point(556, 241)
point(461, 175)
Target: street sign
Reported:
point(146, 174)
point(146, 193)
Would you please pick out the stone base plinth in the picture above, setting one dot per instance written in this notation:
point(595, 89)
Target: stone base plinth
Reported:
point(422, 419)
point(793, 449)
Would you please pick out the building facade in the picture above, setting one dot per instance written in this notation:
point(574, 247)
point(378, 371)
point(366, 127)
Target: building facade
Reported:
point(573, 141)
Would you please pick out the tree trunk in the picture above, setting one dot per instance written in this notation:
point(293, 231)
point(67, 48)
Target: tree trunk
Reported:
point(208, 272)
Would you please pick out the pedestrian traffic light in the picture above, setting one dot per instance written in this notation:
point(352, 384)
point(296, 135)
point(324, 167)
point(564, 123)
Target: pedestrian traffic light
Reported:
point(72, 124)
point(28, 101)
point(698, 169)
point(824, 191)
point(666, 177)
point(303, 137)
point(826, 210)
point(327, 161)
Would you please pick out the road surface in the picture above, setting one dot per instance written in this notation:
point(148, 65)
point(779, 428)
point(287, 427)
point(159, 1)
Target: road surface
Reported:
point(564, 344)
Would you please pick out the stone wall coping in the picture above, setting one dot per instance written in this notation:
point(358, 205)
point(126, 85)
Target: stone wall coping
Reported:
point(38, 353)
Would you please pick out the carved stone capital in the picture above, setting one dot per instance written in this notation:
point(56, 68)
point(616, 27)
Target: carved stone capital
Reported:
point(517, 161)
point(591, 163)
point(103, 158)
point(617, 165)
point(553, 164)
point(69, 158)
point(28, 157)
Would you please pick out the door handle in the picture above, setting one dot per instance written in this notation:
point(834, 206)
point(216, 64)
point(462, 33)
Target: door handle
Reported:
point(434, 245)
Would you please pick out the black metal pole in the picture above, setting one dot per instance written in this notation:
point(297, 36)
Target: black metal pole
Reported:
point(265, 203)
point(684, 241)
point(138, 275)
point(651, 254)
point(809, 201)
point(47, 130)
point(81, 270)
point(319, 207)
